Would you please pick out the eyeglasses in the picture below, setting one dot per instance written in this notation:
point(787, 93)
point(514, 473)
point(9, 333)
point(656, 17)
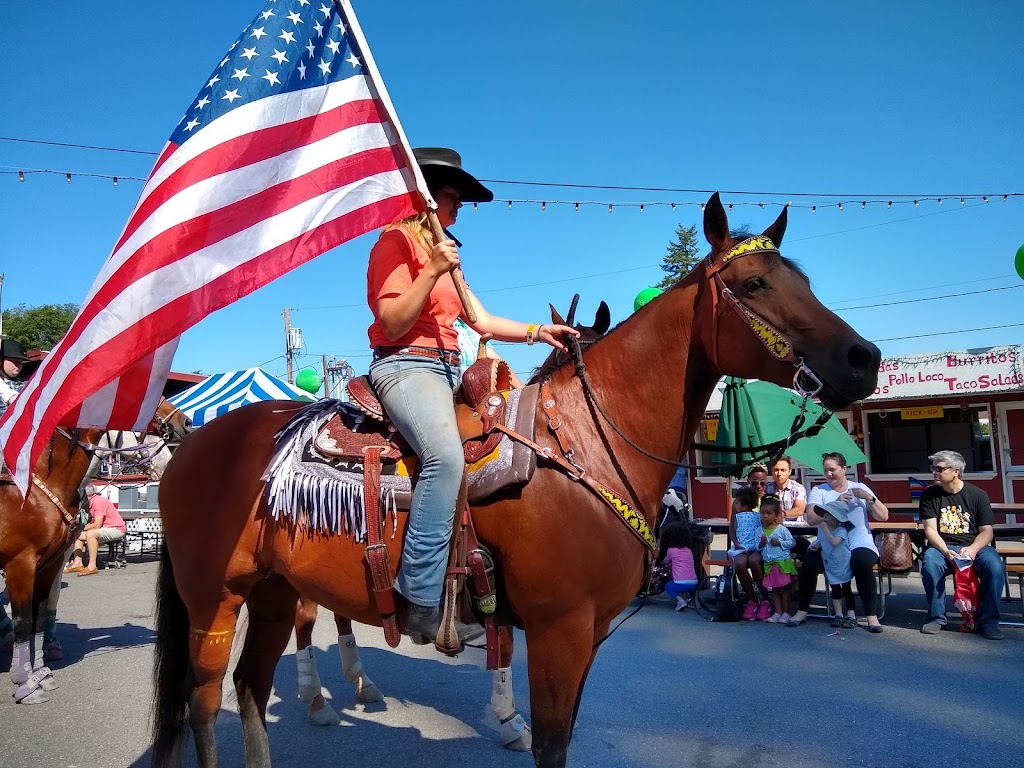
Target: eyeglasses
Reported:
point(938, 470)
point(758, 482)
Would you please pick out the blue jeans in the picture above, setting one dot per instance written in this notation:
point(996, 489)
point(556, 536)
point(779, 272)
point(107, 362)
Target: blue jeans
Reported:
point(991, 575)
point(417, 394)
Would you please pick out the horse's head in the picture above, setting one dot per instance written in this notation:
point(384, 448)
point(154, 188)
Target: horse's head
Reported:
point(766, 323)
point(588, 335)
point(169, 422)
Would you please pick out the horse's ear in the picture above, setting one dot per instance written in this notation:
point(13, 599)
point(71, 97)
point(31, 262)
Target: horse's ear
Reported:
point(716, 223)
point(603, 319)
point(776, 231)
point(555, 317)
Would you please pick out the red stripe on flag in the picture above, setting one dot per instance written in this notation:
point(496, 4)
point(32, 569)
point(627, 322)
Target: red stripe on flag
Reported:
point(106, 362)
point(251, 148)
point(131, 391)
point(171, 245)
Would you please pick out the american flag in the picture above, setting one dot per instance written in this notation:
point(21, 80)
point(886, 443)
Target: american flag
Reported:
point(290, 148)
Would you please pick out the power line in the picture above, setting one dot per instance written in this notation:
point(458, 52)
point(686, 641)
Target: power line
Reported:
point(930, 298)
point(950, 333)
point(79, 146)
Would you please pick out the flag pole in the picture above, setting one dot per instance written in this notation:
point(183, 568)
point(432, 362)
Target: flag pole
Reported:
point(346, 10)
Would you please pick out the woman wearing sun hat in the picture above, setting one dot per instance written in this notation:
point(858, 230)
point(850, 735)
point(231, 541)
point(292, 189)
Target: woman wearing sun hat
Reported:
point(415, 370)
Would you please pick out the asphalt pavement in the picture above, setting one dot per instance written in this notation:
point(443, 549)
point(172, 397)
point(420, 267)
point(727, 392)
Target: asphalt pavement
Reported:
point(667, 689)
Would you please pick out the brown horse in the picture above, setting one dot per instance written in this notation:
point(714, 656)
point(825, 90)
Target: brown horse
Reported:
point(513, 732)
point(35, 534)
point(567, 563)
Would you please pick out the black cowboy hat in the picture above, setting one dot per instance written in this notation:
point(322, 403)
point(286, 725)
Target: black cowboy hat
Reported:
point(443, 166)
point(12, 350)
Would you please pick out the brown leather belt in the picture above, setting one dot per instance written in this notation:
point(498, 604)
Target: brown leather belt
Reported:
point(449, 356)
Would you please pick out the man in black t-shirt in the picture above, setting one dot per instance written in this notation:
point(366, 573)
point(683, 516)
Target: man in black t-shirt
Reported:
point(958, 525)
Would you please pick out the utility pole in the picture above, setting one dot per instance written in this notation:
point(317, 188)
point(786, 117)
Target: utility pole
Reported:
point(340, 374)
point(1, 305)
point(327, 382)
point(288, 342)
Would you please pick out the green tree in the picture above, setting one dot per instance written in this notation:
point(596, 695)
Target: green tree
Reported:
point(683, 254)
point(39, 327)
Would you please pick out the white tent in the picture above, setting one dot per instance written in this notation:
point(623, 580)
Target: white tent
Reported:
point(225, 392)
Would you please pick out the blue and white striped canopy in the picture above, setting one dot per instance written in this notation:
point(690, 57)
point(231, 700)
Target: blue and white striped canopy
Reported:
point(225, 392)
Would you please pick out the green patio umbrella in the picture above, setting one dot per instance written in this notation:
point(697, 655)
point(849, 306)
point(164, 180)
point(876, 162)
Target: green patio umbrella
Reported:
point(738, 427)
point(758, 412)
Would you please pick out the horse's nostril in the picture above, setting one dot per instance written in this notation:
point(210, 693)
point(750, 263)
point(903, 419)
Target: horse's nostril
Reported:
point(860, 357)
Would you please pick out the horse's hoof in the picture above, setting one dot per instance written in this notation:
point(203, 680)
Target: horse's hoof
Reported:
point(516, 735)
point(46, 679)
point(31, 692)
point(325, 716)
point(369, 694)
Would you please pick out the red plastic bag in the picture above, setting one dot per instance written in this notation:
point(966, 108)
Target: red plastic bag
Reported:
point(965, 596)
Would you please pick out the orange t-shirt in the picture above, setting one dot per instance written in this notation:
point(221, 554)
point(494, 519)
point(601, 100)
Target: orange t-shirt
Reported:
point(395, 262)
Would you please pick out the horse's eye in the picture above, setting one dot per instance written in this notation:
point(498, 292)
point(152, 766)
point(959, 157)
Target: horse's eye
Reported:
point(755, 284)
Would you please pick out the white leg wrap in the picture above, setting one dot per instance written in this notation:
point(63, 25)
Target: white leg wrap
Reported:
point(21, 663)
point(513, 732)
point(352, 668)
point(503, 703)
point(309, 678)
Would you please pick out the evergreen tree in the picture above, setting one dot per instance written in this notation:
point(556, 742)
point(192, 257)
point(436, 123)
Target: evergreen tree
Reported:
point(683, 254)
point(39, 327)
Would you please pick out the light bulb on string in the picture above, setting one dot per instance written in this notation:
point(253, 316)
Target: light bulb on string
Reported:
point(889, 205)
point(21, 176)
point(674, 206)
point(115, 181)
point(961, 201)
point(730, 206)
point(840, 206)
point(863, 204)
point(609, 207)
point(476, 206)
point(702, 207)
point(1004, 198)
point(940, 201)
point(641, 207)
point(510, 205)
point(68, 175)
point(917, 204)
point(985, 199)
point(814, 209)
point(543, 206)
point(577, 207)
point(760, 205)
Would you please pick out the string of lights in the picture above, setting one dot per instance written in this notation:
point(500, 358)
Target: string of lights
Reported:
point(611, 205)
point(838, 200)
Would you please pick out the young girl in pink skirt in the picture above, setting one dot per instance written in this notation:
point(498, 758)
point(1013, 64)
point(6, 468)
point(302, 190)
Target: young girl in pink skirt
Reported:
point(777, 552)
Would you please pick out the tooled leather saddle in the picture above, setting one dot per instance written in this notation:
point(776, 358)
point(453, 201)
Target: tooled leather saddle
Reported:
point(479, 407)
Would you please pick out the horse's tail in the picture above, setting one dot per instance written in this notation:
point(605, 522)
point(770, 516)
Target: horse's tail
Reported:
point(172, 674)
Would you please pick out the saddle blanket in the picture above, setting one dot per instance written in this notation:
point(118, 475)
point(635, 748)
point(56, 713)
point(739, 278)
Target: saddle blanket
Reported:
point(326, 495)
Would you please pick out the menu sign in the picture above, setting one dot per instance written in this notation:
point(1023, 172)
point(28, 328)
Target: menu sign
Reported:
point(990, 369)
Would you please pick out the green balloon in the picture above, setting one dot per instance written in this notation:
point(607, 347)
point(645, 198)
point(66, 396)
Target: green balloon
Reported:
point(645, 296)
point(309, 380)
point(1018, 262)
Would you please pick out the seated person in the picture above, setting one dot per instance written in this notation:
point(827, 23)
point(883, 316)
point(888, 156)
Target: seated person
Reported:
point(744, 550)
point(958, 524)
point(105, 525)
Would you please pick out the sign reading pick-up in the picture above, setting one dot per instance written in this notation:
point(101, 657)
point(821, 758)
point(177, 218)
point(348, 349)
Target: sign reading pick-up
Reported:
point(989, 369)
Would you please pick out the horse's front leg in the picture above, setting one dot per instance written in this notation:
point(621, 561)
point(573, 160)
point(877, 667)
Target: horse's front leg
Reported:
point(28, 611)
point(513, 732)
point(559, 653)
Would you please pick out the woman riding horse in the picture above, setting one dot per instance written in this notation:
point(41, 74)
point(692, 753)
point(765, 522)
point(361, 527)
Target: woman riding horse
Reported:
point(608, 446)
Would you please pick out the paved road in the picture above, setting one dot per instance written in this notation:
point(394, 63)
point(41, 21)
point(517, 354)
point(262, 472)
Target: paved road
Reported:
point(668, 689)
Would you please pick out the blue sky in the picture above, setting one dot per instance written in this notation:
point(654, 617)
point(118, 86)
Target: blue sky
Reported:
point(868, 99)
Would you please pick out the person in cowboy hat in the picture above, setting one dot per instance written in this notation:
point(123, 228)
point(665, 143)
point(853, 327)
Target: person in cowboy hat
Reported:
point(12, 360)
point(415, 370)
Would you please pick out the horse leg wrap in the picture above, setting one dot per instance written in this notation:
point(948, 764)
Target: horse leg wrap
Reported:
point(352, 668)
point(309, 678)
point(513, 732)
point(21, 663)
point(32, 691)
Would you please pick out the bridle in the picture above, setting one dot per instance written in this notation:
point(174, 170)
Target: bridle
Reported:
point(777, 344)
point(775, 341)
point(161, 426)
